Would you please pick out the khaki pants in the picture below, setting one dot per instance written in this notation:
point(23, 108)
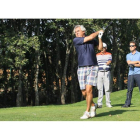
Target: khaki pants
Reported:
point(103, 81)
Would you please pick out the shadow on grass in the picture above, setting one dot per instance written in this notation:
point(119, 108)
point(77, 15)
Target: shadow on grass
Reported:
point(117, 105)
point(115, 112)
point(121, 105)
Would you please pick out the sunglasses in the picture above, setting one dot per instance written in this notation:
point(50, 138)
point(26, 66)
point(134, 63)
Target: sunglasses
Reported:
point(132, 45)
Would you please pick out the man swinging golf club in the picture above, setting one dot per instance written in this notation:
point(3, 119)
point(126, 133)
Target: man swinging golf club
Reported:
point(87, 65)
point(133, 60)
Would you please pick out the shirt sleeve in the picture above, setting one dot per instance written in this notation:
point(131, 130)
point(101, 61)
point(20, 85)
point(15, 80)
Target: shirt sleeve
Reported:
point(127, 57)
point(78, 40)
point(139, 56)
point(110, 57)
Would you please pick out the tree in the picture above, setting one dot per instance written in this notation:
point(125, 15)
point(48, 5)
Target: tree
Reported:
point(39, 61)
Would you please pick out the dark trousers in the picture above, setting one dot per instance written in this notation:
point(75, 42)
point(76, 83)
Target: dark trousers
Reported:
point(130, 85)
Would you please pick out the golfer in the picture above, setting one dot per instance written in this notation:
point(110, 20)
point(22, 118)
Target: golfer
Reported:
point(104, 60)
point(87, 65)
point(133, 60)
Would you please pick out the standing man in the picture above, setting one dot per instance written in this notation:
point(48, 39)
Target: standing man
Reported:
point(133, 61)
point(87, 65)
point(104, 59)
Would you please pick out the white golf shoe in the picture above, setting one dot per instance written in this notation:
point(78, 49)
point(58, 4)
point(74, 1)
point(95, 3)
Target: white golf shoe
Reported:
point(109, 105)
point(93, 111)
point(86, 115)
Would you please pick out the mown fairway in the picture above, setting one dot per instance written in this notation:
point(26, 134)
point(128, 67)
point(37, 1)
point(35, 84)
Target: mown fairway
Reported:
point(72, 112)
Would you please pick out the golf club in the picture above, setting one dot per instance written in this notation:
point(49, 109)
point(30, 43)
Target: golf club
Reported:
point(104, 28)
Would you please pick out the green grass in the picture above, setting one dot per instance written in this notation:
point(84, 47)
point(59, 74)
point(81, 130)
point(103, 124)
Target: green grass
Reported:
point(72, 112)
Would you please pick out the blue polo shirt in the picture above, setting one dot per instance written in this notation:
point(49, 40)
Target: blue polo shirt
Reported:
point(133, 57)
point(85, 51)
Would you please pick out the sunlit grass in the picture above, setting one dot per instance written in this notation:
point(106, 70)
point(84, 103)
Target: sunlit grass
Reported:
point(72, 112)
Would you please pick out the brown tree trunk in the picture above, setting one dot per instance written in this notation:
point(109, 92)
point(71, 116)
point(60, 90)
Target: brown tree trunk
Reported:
point(119, 75)
point(73, 75)
point(19, 95)
point(31, 95)
point(37, 52)
point(13, 89)
point(5, 86)
point(114, 55)
point(63, 86)
point(58, 68)
point(36, 79)
point(47, 89)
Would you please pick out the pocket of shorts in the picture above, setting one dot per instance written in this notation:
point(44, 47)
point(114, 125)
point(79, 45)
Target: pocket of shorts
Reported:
point(96, 68)
point(96, 73)
point(78, 71)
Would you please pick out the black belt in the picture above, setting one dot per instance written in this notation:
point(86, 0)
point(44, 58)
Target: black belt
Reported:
point(104, 71)
point(85, 66)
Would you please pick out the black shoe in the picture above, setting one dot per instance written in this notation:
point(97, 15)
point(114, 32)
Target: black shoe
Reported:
point(126, 106)
point(99, 106)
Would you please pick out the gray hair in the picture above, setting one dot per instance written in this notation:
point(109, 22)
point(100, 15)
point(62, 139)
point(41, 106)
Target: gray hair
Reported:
point(81, 26)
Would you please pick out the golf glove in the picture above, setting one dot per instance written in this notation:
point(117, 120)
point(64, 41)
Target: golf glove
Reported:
point(100, 34)
point(104, 67)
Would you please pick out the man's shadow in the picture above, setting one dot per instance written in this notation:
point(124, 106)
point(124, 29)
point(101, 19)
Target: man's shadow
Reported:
point(114, 112)
point(121, 105)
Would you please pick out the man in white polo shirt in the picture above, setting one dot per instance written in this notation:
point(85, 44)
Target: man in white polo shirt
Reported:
point(104, 60)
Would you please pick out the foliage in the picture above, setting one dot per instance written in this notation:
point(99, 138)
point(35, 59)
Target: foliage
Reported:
point(24, 42)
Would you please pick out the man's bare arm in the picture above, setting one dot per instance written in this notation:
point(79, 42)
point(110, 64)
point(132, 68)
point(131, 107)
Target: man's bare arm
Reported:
point(108, 62)
point(133, 62)
point(137, 65)
point(91, 36)
point(100, 47)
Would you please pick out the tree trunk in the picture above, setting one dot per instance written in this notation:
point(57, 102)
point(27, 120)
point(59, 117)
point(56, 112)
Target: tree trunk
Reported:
point(58, 68)
point(47, 90)
point(13, 89)
point(114, 56)
point(36, 79)
point(119, 75)
point(5, 86)
point(19, 95)
point(73, 75)
point(63, 87)
point(31, 95)
point(37, 52)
